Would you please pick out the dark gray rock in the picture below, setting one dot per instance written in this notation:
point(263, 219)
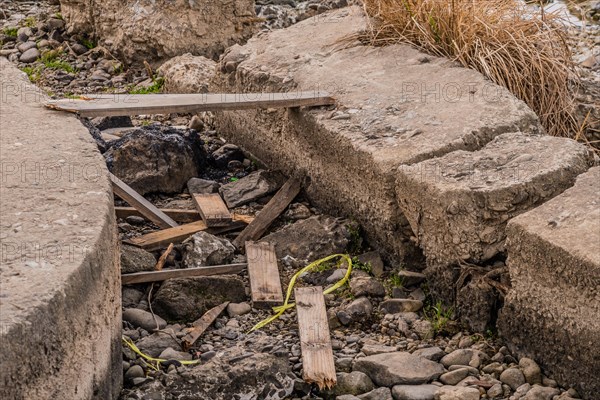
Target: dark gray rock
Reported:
point(358, 310)
point(513, 377)
point(458, 357)
point(395, 306)
point(103, 123)
point(130, 297)
point(310, 239)
point(373, 259)
point(430, 353)
point(29, 56)
point(226, 153)
point(381, 393)
point(143, 319)
point(204, 249)
point(172, 354)
point(203, 186)
point(156, 343)
point(186, 299)
point(23, 47)
point(251, 187)
point(354, 383)
point(134, 371)
point(366, 286)
point(134, 259)
point(410, 278)
point(398, 368)
point(153, 159)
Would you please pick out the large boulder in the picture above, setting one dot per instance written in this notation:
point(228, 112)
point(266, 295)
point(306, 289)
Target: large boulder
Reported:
point(155, 30)
point(187, 74)
point(154, 159)
point(186, 299)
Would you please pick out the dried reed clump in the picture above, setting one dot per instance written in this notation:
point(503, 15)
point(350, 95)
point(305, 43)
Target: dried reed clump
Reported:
point(525, 52)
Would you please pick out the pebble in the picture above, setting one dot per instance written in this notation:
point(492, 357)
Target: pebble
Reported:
point(30, 56)
point(134, 371)
point(513, 377)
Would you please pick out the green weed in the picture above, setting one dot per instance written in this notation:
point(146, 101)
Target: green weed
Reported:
point(30, 22)
point(88, 43)
point(395, 281)
point(156, 87)
point(438, 315)
point(33, 73)
point(357, 264)
point(11, 32)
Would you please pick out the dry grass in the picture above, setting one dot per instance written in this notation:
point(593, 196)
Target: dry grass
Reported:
point(522, 51)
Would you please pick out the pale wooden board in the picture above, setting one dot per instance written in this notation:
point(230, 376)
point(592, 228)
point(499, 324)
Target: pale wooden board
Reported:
point(270, 212)
point(159, 239)
point(201, 324)
point(116, 105)
point(146, 208)
point(315, 342)
point(162, 275)
point(212, 208)
point(265, 284)
point(178, 215)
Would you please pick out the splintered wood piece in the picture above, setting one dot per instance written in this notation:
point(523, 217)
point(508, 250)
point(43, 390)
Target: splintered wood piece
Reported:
point(128, 104)
point(270, 212)
point(146, 208)
point(161, 261)
point(265, 284)
point(178, 215)
point(200, 325)
point(212, 208)
point(159, 239)
point(315, 341)
point(163, 275)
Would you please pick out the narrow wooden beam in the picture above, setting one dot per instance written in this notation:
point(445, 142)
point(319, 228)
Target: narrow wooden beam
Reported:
point(146, 208)
point(315, 342)
point(270, 212)
point(163, 258)
point(265, 284)
point(212, 208)
point(159, 239)
point(116, 105)
point(200, 325)
point(182, 216)
point(162, 275)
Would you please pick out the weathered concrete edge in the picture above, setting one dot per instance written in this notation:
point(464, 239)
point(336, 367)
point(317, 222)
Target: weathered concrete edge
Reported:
point(68, 343)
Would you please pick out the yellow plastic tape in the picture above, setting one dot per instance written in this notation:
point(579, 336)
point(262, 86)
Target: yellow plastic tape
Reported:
point(279, 310)
point(137, 351)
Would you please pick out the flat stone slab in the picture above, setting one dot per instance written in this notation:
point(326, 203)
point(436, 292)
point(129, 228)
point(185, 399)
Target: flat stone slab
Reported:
point(458, 205)
point(551, 313)
point(399, 368)
point(395, 106)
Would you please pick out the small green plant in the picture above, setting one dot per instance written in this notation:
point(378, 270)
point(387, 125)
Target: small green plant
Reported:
point(233, 179)
point(51, 60)
point(345, 292)
point(156, 87)
point(357, 264)
point(71, 96)
point(10, 31)
point(30, 22)
point(438, 315)
point(33, 73)
point(58, 15)
point(88, 43)
point(146, 122)
point(395, 281)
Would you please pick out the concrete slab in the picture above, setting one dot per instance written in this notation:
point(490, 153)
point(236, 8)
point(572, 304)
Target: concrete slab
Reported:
point(395, 106)
point(458, 205)
point(551, 313)
point(60, 308)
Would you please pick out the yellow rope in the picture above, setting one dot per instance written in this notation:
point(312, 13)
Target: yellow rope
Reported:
point(135, 349)
point(279, 310)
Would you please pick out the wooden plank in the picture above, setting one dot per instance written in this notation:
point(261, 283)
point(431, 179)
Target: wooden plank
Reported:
point(178, 215)
point(270, 212)
point(146, 208)
point(265, 284)
point(212, 208)
point(115, 105)
point(161, 261)
point(200, 325)
point(162, 275)
point(315, 342)
point(159, 239)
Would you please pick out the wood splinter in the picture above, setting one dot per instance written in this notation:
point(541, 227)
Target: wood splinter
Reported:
point(200, 325)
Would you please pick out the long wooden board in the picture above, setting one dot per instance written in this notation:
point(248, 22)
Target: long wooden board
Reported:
point(157, 276)
point(270, 212)
point(116, 105)
point(212, 208)
point(315, 342)
point(181, 216)
point(200, 325)
point(159, 239)
point(146, 208)
point(265, 284)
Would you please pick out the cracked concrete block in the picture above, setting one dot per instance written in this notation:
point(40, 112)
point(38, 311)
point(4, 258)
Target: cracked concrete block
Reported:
point(551, 313)
point(458, 204)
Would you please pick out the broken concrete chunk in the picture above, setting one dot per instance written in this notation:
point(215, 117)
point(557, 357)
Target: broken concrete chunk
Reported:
point(554, 266)
point(134, 259)
point(458, 205)
point(251, 187)
point(204, 249)
point(187, 299)
point(187, 74)
point(310, 239)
